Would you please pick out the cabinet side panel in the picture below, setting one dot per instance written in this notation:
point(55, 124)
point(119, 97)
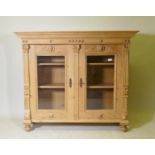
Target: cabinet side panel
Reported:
point(27, 115)
point(125, 82)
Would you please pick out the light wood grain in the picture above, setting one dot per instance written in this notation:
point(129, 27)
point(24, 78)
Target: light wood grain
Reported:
point(51, 64)
point(52, 86)
point(70, 89)
point(100, 64)
point(79, 35)
point(100, 86)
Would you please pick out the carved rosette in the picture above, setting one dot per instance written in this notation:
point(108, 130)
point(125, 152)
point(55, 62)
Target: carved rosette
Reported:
point(51, 48)
point(99, 47)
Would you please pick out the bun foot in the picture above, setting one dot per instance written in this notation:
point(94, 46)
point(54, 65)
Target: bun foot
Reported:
point(124, 127)
point(28, 127)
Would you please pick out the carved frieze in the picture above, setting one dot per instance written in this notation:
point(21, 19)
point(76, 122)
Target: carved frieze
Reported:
point(76, 41)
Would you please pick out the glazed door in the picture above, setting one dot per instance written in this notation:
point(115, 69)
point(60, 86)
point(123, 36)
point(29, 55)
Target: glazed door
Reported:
point(51, 81)
point(98, 81)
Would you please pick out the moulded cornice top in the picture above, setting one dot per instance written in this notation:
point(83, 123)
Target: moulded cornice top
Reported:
point(76, 34)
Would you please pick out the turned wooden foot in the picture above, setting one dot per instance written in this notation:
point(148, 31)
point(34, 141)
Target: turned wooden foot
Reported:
point(28, 127)
point(124, 127)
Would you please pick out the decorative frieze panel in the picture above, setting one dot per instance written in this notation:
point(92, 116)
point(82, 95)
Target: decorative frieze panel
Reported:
point(76, 41)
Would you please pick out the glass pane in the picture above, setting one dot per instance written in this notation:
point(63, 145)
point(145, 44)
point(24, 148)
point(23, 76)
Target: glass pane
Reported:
point(100, 59)
point(51, 70)
point(50, 75)
point(51, 98)
point(100, 82)
point(51, 79)
point(48, 59)
point(99, 99)
point(100, 75)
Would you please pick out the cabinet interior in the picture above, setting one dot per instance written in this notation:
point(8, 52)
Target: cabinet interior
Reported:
point(51, 82)
point(100, 82)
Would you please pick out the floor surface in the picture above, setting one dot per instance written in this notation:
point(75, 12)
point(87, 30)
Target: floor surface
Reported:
point(13, 128)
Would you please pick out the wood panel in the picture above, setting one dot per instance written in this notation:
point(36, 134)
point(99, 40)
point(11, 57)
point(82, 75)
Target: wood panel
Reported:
point(77, 34)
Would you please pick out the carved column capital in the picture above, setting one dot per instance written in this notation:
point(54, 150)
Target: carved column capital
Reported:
point(76, 48)
point(127, 43)
point(26, 48)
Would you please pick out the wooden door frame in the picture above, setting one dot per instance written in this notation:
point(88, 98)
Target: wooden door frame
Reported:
point(107, 114)
point(44, 115)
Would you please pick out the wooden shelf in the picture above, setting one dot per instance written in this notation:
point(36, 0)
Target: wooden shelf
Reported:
point(53, 86)
point(100, 86)
point(101, 64)
point(52, 64)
